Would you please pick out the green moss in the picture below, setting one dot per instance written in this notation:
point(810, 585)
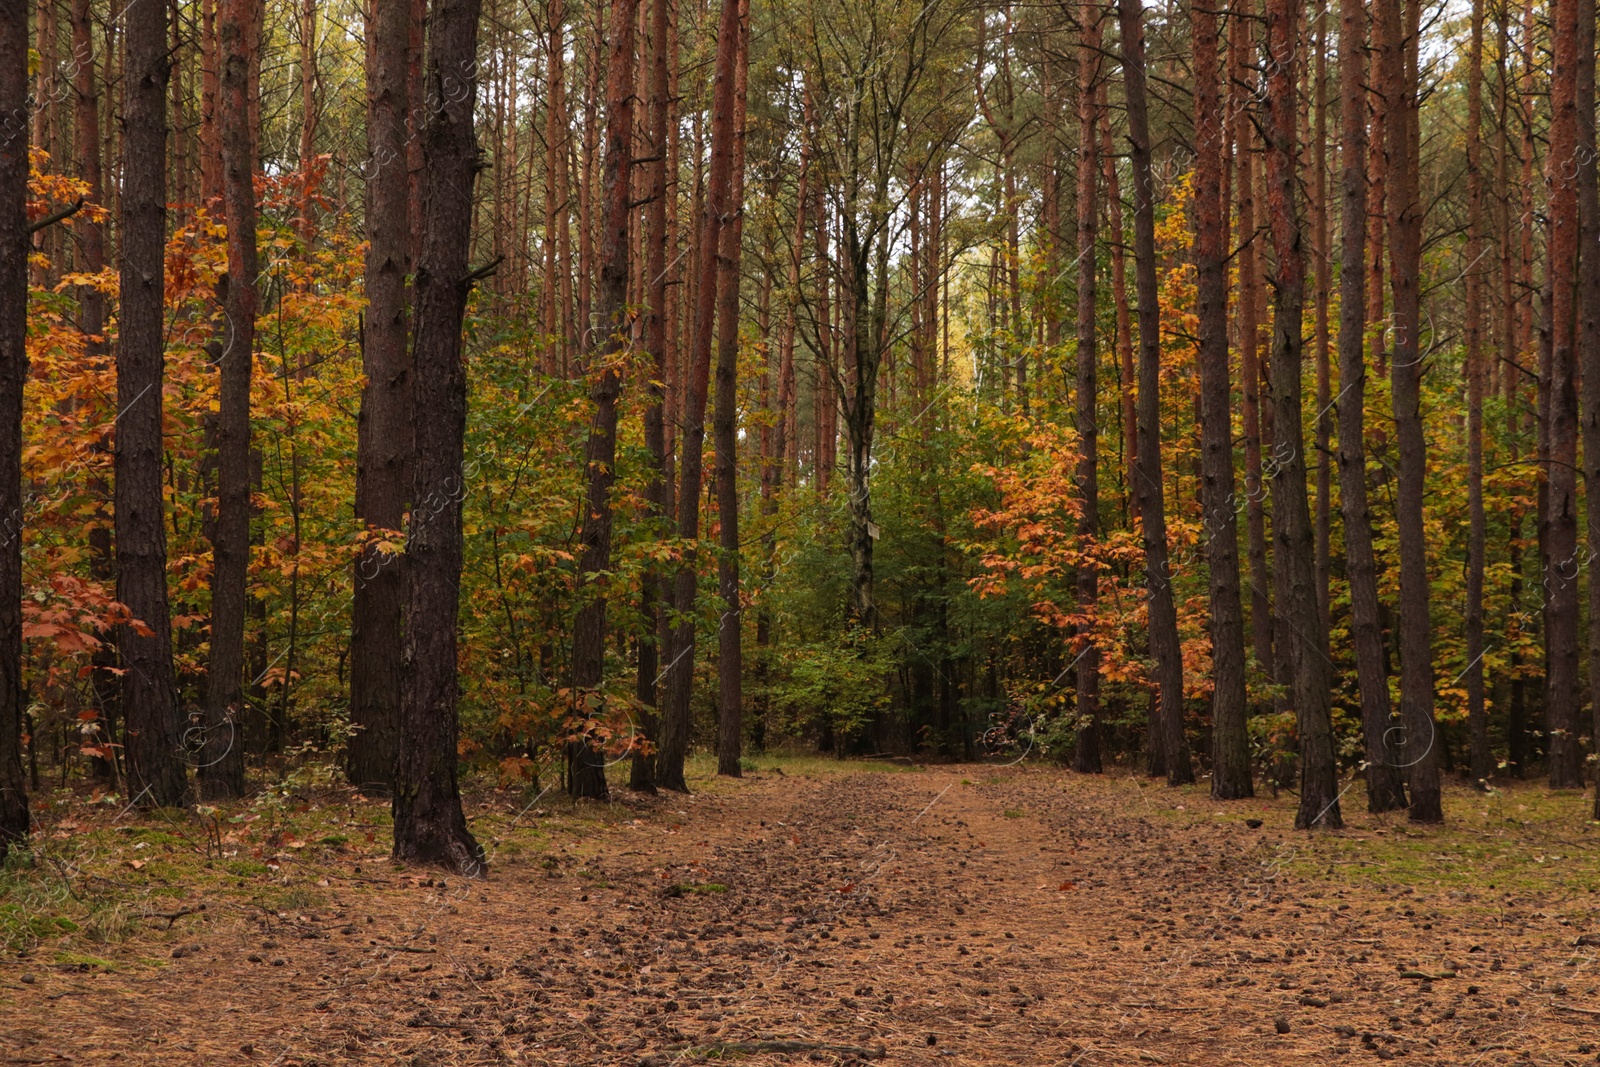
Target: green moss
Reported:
point(83, 962)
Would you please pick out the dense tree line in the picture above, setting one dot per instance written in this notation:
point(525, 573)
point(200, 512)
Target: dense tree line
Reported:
point(357, 359)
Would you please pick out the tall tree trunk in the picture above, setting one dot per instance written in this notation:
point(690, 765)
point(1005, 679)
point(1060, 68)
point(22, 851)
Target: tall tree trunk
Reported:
point(384, 456)
point(1419, 750)
point(585, 758)
point(1086, 746)
point(553, 321)
point(1306, 652)
point(730, 624)
point(825, 450)
point(588, 147)
point(92, 247)
point(179, 153)
point(1589, 342)
point(1230, 742)
point(642, 774)
point(429, 825)
point(44, 111)
point(14, 820)
point(1481, 765)
point(210, 86)
point(155, 767)
point(1321, 273)
point(221, 771)
point(1168, 742)
point(1241, 35)
point(719, 206)
point(1377, 196)
point(92, 321)
point(1123, 337)
point(1385, 782)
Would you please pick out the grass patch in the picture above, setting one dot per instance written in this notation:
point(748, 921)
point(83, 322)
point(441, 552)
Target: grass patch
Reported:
point(81, 962)
point(1518, 838)
point(702, 766)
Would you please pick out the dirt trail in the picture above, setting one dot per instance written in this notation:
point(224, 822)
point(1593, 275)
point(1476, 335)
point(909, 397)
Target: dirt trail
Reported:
point(960, 915)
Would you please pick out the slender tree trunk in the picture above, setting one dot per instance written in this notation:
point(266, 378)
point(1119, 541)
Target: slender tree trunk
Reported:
point(384, 458)
point(1230, 742)
point(1481, 765)
point(555, 205)
point(825, 451)
point(585, 757)
point(1385, 782)
point(643, 772)
point(92, 247)
point(308, 93)
point(179, 152)
point(1589, 342)
point(718, 208)
point(587, 149)
point(730, 624)
point(1241, 34)
point(1306, 651)
point(1420, 748)
point(429, 825)
point(1321, 273)
point(210, 86)
point(1086, 747)
point(14, 820)
point(221, 771)
point(1168, 742)
point(1378, 193)
point(860, 386)
point(155, 766)
point(1122, 319)
point(91, 259)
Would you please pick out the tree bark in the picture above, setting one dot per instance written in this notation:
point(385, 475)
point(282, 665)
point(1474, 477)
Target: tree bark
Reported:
point(642, 774)
point(221, 770)
point(1321, 259)
point(155, 766)
point(692, 430)
point(1306, 651)
point(384, 444)
point(555, 304)
point(91, 259)
point(429, 825)
point(1123, 327)
point(1480, 760)
point(1242, 85)
point(210, 88)
point(1086, 747)
point(14, 819)
point(1589, 342)
point(730, 625)
point(1385, 782)
point(1230, 741)
point(1168, 741)
point(1419, 749)
point(92, 247)
point(585, 758)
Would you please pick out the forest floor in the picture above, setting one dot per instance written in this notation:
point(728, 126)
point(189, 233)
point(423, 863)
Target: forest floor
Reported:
point(949, 914)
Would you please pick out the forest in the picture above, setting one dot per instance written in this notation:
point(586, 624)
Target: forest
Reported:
point(761, 480)
point(359, 361)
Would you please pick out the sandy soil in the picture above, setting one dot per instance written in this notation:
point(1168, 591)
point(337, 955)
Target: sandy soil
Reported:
point(960, 915)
